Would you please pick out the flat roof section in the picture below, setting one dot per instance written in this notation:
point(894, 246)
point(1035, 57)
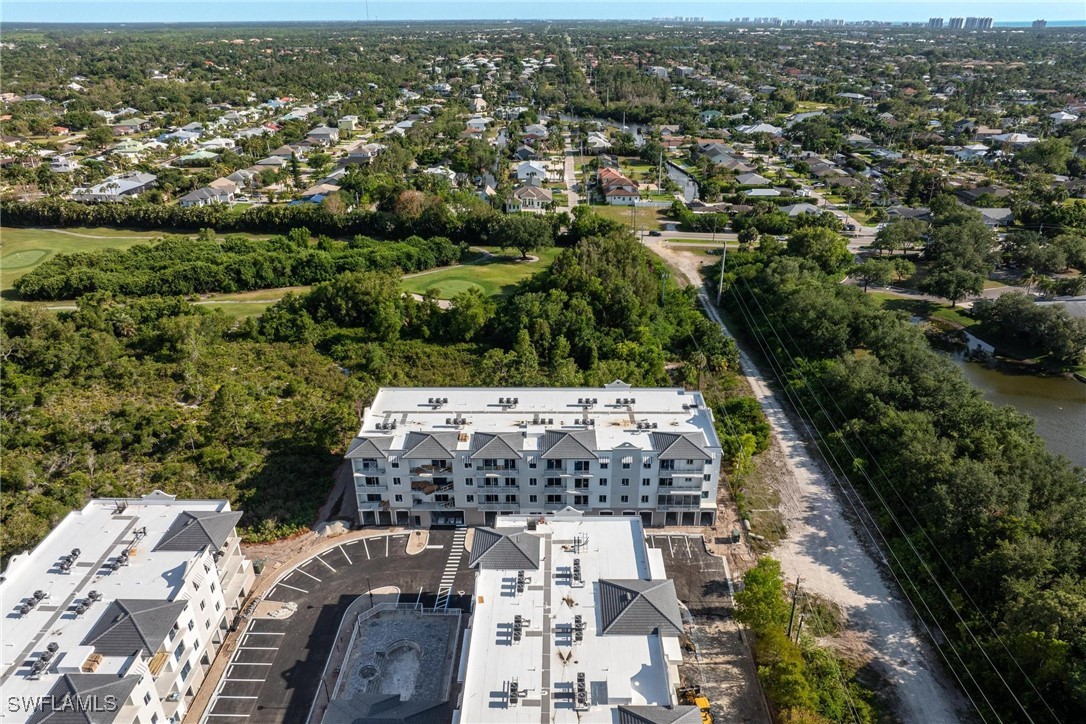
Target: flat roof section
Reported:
point(539, 652)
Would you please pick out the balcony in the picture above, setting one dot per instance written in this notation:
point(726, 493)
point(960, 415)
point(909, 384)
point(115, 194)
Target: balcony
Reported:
point(373, 505)
point(369, 469)
point(419, 504)
point(365, 486)
point(499, 506)
point(496, 468)
point(429, 470)
point(431, 487)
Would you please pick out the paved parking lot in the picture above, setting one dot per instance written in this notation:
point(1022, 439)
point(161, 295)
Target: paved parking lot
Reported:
point(721, 662)
point(274, 673)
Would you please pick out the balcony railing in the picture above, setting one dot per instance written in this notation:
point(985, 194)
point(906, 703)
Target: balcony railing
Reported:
point(429, 488)
point(430, 469)
point(499, 467)
point(499, 506)
point(369, 469)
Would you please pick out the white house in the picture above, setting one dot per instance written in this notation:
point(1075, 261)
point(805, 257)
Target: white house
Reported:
point(206, 196)
point(530, 198)
point(531, 170)
point(1062, 117)
point(116, 188)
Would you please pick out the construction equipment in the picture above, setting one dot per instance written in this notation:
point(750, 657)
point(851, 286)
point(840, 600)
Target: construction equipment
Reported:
point(692, 695)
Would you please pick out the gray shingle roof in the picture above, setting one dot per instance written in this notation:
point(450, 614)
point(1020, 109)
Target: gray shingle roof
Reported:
point(499, 447)
point(434, 445)
point(71, 689)
point(131, 625)
point(634, 607)
point(369, 447)
point(194, 529)
point(568, 445)
point(494, 550)
point(673, 446)
point(659, 715)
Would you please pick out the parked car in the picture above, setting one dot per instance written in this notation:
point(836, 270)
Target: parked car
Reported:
point(654, 233)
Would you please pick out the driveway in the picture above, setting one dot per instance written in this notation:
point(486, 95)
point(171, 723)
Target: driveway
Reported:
point(274, 673)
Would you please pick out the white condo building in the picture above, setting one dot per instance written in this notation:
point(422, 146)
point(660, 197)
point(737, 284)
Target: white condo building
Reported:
point(116, 616)
point(574, 622)
point(463, 456)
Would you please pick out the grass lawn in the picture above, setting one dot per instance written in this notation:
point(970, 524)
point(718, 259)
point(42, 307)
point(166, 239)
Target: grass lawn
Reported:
point(239, 310)
point(808, 106)
point(648, 218)
point(494, 275)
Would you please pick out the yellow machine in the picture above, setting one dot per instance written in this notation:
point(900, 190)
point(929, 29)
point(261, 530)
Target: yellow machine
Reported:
point(693, 695)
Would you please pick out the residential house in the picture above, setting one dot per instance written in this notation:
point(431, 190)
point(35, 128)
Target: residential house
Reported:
point(801, 208)
point(997, 217)
point(323, 136)
point(63, 164)
point(526, 153)
point(206, 196)
point(527, 170)
point(1017, 140)
point(752, 179)
point(755, 128)
point(535, 131)
point(530, 198)
point(117, 188)
point(1060, 118)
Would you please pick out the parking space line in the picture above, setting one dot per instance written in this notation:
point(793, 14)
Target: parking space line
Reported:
point(295, 588)
point(299, 570)
point(248, 663)
point(259, 680)
point(333, 570)
point(264, 633)
point(689, 553)
point(386, 545)
point(343, 550)
point(671, 545)
point(367, 547)
point(258, 648)
point(222, 696)
point(243, 716)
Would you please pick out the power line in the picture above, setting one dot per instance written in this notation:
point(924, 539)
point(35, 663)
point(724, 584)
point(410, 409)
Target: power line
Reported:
point(798, 405)
point(907, 538)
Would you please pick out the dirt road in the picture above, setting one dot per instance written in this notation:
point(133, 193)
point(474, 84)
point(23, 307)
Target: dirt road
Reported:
point(822, 548)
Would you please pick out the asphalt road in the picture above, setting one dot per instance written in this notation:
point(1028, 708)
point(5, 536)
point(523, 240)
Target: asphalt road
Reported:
point(275, 671)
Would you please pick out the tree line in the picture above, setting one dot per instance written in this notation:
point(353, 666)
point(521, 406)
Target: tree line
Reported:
point(178, 265)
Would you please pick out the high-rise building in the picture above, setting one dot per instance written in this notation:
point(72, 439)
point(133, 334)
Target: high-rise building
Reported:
point(465, 455)
point(935, 23)
point(957, 23)
point(1040, 24)
point(116, 616)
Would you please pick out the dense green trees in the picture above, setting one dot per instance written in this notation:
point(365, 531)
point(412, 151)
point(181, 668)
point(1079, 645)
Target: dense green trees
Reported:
point(179, 265)
point(1045, 330)
point(803, 682)
point(966, 494)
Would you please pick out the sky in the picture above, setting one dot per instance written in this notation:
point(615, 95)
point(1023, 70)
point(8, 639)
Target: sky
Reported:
point(129, 11)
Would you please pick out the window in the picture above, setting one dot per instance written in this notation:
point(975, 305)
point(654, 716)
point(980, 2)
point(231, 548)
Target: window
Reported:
point(690, 463)
point(647, 463)
point(186, 670)
point(510, 464)
point(207, 625)
point(626, 463)
point(604, 464)
point(625, 482)
point(554, 465)
point(625, 499)
point(173, 631)
point(395, 463)
point(373, 498)
point(195, 585)
point(644, 498)
point(490, 498)
point(603, 498)
point(470, 498)
point(603, 482)
point(554, 482)
point(396, 481)
point(203, 605)
point(554, 499)
point(147, 698)
point(179, 651)
point(580, 500)
point(399, 498)
point(533, 498)
point(154, 718)
point(531, 462)
point(510, 498)
point(667, 464)
point(468, 464)
point(213, 586)
point(581, 466)
point(645, 482)
point(705, 495)
point(532, 481)
point(470, 482)
point(510, 482)
point(192, 624)
point(219, 605)
point(665, 482)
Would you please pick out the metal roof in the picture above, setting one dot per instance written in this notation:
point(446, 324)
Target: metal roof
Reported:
point(636, 607)
point(194, 529)
point(129, 626)
point(566, 445)
point(369, 447)
point(496, 550)
point(673, 446)
point(71, 689)
point(503, 446)
point(429, 445)
point(659, 715)
point(375, 708)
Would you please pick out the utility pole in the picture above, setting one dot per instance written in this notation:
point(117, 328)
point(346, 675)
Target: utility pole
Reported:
point(799, 626)
point(792, 614)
